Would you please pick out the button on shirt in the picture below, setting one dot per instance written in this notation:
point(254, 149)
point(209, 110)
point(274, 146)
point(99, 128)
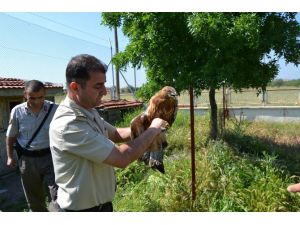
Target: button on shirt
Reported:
point(23, 123)
point(79, 144)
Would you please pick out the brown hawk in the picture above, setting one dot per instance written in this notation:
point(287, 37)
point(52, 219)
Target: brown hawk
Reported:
point(164, 105)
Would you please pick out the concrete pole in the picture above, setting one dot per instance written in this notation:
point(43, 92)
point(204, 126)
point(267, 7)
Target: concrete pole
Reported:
point(117, 69)
point(112, 90)
point(134, 72)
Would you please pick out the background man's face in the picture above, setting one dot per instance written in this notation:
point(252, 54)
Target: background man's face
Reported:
point(35, 100)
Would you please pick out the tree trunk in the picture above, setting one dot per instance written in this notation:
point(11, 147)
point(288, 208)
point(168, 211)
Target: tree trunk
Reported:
point(213, 114)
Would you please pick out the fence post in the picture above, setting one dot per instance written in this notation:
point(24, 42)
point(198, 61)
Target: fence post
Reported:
point(228, 96)
point(266, 97)
point(112, 92)
point(263, 97)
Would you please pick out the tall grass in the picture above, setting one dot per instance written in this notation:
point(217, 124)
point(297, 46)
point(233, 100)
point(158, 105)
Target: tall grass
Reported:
point(234, 174)
point(247, 170)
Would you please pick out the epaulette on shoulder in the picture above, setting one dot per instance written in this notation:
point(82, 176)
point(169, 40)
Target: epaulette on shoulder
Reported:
point(78, 113)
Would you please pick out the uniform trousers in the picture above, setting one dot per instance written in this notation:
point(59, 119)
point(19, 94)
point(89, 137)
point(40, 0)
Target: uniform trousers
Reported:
point(38, 181)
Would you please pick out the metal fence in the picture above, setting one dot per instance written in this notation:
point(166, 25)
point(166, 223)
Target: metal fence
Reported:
point(248, 97)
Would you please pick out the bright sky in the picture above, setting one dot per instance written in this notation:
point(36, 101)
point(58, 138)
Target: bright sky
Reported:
point(39, 45)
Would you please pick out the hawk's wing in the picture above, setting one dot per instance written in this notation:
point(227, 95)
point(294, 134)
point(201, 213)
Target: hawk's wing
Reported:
point(155, 160)
point(138, 125)
point(162, 105)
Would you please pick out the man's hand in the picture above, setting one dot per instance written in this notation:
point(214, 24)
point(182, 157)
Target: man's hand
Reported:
point(11, 162)
point(294, 188)
point(159, 123)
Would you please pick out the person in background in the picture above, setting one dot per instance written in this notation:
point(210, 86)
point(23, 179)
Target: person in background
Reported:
point(28, 129)
point(83, 144)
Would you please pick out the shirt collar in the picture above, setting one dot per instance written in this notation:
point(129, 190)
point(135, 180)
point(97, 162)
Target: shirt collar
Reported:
point(73, 104)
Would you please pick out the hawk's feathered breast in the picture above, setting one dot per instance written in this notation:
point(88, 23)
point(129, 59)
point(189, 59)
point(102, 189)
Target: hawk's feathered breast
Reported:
point(164, 105)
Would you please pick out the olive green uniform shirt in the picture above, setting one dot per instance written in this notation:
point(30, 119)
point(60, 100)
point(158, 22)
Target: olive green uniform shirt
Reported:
point(79, 144)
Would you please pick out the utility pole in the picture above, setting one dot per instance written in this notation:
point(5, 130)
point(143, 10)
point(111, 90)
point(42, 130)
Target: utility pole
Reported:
point(134, 73)
point(117, 69)
point(113, 92)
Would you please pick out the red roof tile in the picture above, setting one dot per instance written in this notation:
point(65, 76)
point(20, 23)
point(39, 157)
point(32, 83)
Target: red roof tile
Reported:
point(19, 83)
point(119, 104)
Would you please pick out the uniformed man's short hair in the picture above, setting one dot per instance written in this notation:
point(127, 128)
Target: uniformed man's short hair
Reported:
point(80, 67)
point(34, 86)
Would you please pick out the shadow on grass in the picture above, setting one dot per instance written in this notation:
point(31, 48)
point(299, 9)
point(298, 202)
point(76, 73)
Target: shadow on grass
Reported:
point(287, 156)
point(19, 206)
point(13, 198)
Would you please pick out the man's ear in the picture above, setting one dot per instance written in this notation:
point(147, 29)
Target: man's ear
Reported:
point(73, 86)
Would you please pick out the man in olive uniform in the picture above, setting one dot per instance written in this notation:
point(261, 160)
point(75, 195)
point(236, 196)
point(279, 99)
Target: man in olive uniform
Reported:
point(83, 144)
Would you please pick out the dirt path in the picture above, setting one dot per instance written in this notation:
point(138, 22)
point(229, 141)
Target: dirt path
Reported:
point(11, 192)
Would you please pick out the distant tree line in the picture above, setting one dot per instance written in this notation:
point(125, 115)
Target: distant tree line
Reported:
point(281, 82)
point(125, 90)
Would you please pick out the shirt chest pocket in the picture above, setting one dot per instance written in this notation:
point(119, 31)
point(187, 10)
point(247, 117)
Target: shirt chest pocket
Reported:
point(26, 128)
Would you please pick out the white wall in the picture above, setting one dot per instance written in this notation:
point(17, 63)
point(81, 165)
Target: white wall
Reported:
point(256, 113)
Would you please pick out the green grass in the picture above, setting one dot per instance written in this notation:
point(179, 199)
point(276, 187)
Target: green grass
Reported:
point(248, 170)
point(244, 172)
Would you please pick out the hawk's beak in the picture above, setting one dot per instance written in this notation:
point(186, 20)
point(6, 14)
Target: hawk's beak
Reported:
point(174, 94)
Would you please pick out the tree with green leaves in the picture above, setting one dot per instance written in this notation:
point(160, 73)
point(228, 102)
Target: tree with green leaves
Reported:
point(207, 50)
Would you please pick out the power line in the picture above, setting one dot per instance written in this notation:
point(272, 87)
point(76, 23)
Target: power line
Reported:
point(46, 28)
point(33, 53)
point(70, 27)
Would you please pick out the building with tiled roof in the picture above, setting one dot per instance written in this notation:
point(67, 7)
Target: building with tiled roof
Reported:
point(11, 83)
point(11, 94)
point(13, 86)
point(114, 110)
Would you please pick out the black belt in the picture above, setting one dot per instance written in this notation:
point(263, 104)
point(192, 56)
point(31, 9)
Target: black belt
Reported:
point(36, 153)
point(106, 207)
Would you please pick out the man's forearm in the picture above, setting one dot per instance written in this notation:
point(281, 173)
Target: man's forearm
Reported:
point(124, 154)
point(122, 135)
point(137, 147)
point(9, 146)
point(121, 156)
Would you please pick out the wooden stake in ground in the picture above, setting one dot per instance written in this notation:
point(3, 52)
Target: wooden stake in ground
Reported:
point(192, 143)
